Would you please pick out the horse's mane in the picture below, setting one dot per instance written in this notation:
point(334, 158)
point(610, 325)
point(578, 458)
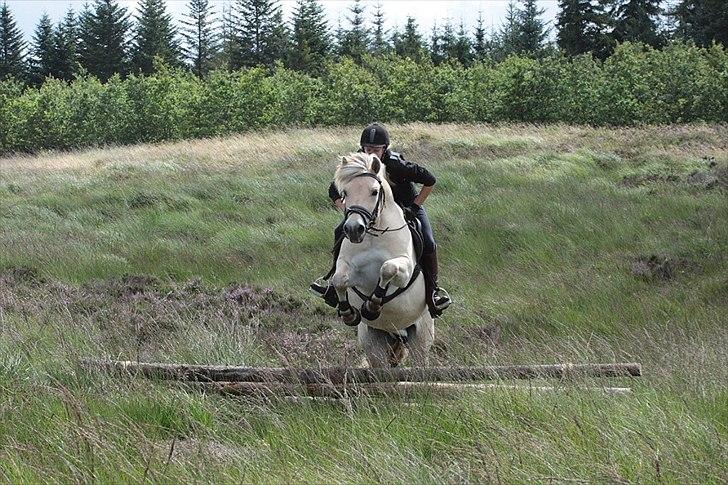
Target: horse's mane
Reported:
point(352, 165)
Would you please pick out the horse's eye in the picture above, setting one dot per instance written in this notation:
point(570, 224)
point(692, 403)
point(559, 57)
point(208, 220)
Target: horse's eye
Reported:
point(375, 192)
point(343, 193)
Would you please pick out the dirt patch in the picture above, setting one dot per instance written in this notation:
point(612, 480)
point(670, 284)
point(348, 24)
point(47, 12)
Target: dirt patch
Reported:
point(659, 267)
point(712, 177)
point(638, 180)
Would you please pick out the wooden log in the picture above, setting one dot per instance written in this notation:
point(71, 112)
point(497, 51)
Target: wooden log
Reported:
point(403, 389)
point(341, 375)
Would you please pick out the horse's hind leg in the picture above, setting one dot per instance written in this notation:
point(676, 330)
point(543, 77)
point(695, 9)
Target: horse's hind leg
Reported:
point(381, 348)
point(420, 338)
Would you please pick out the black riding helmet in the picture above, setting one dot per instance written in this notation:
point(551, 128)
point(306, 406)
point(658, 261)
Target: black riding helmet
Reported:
point(374, 134)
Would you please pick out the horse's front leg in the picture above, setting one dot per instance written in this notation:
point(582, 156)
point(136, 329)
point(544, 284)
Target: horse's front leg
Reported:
point(396, 272)
point(349, 315)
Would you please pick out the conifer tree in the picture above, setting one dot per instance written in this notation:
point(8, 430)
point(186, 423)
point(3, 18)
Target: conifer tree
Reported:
point(448, 41)
point(379, 42)
point(155, 36)
point(228, 43)
point(437, 55)
point(480, 45)
point(201, 37)
point(638, 21)
point(582, 26)
point(310, 42)
point(462, 49)
point(43, 53)
point(702, 21)
point(532, 31)
point(409, 43)
point(356, 38)
point(103, 31)
point(12, 47)
point(261, 36)
point(65, 45)
point(508, 39)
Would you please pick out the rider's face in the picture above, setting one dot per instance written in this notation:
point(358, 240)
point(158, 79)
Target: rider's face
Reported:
point(377, 150)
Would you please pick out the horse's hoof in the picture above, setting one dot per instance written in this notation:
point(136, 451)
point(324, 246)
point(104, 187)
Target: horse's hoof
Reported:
point(352, 318)
point(369, 314)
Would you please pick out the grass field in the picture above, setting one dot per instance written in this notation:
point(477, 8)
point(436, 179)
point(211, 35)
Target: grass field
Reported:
point(559, 244)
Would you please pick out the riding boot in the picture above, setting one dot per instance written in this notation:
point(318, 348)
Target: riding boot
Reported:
point(321, 286)
point(437, 298)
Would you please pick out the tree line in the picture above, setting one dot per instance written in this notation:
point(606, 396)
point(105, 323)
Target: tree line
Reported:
point(637, 84)
point(104, 39)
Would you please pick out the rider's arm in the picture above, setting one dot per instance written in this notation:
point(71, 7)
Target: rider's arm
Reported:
point(418, 174)
point(422, 196)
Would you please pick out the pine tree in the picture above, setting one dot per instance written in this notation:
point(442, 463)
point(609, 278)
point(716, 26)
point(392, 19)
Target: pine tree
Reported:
point(261, 37)
point(437, 55)
point(462, 48)
point(448, 41)
point(638, 21)
point(103, 30)
point(201, 37)
point(508, 39)
point(480, 46)
point(702, 21)
point(42, 60)
point(356, 39)
point(582, 27)
point(532, 31)
point(65, 45)
point(310, 43)
point(155, 37)
point(409, 43)
point(379, 42)
point(228, 44)
point(12, 47)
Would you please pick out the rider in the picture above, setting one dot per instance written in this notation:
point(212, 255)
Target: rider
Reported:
point(402, 176)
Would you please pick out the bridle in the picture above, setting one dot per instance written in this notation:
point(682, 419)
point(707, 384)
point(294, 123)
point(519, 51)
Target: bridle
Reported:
point(370, 218)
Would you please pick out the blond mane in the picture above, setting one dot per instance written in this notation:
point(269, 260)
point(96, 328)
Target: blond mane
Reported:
point(351, 166)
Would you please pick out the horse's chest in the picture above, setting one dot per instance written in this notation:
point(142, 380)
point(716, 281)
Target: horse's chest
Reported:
point(365, 268)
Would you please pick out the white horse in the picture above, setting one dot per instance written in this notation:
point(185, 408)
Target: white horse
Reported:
point(376, 269)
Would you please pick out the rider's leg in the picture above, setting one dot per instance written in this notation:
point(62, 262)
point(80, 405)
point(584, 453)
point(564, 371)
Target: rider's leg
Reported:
point(321, 287)
point(437, 298)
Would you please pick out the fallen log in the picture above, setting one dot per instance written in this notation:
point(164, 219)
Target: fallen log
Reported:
point(341, 375)
point(381, 389)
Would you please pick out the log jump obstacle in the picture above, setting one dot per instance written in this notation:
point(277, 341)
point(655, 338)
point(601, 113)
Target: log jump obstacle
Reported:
point(342, 381)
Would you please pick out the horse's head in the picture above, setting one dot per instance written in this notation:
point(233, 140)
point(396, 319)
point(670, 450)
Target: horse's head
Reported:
point(360, 181)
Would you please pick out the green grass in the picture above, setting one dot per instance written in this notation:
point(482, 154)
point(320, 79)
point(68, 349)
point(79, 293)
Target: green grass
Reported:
point(559, 244)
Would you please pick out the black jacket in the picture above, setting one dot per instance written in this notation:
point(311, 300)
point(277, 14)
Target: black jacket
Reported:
point(403, 176)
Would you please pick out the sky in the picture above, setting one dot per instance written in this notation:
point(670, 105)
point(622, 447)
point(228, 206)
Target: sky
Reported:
point(426, 12)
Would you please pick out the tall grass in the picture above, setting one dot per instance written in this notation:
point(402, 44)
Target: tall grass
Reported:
point(559, 244)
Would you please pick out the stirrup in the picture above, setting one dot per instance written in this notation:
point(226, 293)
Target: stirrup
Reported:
point(441, 298)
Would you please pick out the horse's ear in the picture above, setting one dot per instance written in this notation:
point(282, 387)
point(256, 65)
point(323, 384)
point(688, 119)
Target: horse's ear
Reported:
point(376, 164)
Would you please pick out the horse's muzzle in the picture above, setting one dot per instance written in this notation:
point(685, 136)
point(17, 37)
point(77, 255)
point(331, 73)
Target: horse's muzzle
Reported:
point(354, 230)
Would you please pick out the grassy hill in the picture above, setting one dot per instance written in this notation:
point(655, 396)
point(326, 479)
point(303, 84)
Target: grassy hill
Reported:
point(558, 244)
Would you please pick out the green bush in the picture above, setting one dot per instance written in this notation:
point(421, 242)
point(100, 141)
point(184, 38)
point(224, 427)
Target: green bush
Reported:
point(636, 85)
